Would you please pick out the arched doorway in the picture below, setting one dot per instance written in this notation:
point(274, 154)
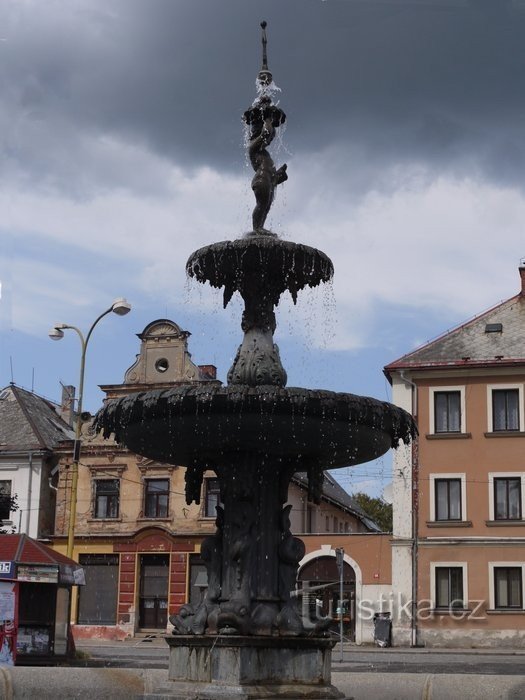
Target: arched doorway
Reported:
point(319, 586)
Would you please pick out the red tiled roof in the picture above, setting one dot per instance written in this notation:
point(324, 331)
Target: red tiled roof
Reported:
point(25, 550)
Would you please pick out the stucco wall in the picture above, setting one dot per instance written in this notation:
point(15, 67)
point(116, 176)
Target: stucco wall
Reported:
point(25, 473)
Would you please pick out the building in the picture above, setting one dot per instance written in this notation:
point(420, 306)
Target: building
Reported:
point(134, 531)
point(138, 540)
point(31, 428)
point(458, 552)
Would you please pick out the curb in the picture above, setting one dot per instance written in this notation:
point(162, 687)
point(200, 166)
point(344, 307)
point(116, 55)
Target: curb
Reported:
point(126, 684)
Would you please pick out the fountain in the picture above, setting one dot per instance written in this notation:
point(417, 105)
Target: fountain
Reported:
point(247, 638)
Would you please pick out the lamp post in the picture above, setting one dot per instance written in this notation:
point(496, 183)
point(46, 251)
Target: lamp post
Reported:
point(120, 307)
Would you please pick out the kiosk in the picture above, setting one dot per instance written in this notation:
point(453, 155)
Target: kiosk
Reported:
point(35, 602)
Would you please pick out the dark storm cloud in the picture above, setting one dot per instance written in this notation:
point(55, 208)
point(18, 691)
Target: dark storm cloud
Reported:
point(440, 83)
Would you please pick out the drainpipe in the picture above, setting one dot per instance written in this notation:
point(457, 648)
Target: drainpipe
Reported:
point(415, 514)
point(29, 493)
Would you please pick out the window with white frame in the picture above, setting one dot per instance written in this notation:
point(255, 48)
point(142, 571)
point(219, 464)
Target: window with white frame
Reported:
point(449, 585)
point(448, 497)
point(447, 410)
point(506, 581)
point(506, 496)
point(505, 408)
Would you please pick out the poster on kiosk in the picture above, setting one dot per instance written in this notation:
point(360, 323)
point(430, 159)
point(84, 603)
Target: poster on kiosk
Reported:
point(8, 616)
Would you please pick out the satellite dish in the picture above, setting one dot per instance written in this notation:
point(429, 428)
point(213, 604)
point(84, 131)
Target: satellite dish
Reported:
point(387, 493)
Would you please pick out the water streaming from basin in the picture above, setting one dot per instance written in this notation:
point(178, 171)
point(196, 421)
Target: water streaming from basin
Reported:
point(248, 633)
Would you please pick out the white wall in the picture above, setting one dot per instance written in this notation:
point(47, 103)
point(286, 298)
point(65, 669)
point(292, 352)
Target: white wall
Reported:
point(402, 520)
point(25, 480)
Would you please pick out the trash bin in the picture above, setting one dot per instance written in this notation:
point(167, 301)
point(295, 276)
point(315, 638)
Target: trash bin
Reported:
point(382, 629)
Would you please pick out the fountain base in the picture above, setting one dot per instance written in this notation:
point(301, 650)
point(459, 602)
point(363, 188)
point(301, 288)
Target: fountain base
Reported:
point(247, 668)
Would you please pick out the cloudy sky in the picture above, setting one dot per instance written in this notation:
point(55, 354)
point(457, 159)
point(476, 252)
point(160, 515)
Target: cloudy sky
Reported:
point(122, 152)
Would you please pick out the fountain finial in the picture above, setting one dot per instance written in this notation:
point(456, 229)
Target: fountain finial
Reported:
point(264, 76)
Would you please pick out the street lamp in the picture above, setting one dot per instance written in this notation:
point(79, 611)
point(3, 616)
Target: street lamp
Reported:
point(120, 307)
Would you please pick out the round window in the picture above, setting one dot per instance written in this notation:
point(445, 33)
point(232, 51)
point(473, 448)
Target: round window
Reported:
point(162, 365)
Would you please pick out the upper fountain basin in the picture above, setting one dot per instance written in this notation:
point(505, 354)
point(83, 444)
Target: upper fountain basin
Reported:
point(206, 424)
point(279, 265)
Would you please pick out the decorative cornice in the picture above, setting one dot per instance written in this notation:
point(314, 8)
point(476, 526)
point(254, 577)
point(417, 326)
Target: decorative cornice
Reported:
point(118, 469)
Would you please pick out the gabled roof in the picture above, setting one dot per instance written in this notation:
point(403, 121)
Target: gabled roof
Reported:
point(25, 550)
point(334, 492)
point(29, 422)
point(494, 338)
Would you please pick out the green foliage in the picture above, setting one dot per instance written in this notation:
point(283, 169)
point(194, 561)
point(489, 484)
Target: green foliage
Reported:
point(377, 509)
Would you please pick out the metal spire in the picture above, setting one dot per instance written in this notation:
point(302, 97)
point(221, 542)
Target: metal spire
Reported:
point(264, 76)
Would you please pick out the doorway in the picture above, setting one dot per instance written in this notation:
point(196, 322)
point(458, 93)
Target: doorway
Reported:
point(319, 583)
point(153, 591)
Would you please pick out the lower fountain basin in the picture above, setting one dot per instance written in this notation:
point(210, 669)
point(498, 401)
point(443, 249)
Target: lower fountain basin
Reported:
point(199, 424)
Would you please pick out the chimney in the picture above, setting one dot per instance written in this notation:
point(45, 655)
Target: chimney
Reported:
point(522, 276)
point(208, 372)
point(67, 404)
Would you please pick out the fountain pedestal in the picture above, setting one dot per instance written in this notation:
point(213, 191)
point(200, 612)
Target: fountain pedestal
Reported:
point(245, 668)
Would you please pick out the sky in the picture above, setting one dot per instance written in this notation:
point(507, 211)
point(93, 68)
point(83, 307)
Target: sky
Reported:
point(122, 152)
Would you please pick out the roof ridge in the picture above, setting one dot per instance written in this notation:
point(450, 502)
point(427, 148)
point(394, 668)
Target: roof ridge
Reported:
point(27, 415)
point(13, 385)
point(20, 547)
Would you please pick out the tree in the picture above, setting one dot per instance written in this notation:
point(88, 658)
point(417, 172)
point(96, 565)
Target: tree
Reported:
point(377, 509)
point(8, 504)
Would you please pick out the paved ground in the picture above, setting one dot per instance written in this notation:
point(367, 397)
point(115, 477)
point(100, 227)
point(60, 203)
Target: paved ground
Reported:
point(137, 670)
point(153, 654)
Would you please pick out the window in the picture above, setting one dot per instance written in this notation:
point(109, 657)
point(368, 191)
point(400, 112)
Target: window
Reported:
point(448, 499)
point(107, 495)
point(97, 603)
point(156, 498)
point(327, 523)
point(507, 498)
point(449, 587)
point(5, 500)
point(447, 411)
point(212, 497)
point(505, 409)
point(508, 587)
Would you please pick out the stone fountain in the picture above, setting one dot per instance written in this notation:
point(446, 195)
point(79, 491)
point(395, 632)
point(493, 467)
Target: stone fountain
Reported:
point(247, 638)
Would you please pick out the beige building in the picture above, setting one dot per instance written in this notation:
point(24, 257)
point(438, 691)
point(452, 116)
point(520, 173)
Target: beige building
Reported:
point(458, 547)
point(139, 541)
